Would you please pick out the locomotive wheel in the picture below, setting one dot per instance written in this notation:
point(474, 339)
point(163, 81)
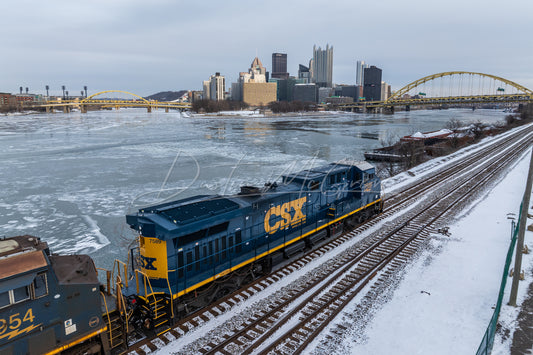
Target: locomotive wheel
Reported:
point(223, 290)
point(248, 279)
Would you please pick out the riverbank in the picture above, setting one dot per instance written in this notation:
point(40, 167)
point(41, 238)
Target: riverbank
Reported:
point(412, 150)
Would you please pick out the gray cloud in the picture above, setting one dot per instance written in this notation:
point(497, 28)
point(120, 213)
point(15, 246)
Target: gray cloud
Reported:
point(145, 47)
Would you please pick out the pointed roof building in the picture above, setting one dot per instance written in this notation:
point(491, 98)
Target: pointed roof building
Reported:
point(258, 66)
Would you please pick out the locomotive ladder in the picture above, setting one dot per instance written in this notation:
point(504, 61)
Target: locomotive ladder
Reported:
point(115, 325)
point(116, 331)
point(159, 306)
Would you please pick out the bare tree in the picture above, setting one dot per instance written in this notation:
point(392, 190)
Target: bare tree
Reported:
point(454, 124)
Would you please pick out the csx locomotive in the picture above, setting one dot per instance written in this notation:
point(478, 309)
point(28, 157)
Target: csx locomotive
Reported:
point(190, 253)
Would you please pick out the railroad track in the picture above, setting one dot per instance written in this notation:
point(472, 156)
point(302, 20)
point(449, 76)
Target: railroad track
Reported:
point(322, 296)
point(397, 247)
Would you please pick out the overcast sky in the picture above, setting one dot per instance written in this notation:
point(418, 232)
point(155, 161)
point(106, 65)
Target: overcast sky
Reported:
point(149, 46)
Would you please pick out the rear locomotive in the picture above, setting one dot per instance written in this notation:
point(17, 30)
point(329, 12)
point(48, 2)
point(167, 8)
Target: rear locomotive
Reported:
point(49, 304)
point(196, 250)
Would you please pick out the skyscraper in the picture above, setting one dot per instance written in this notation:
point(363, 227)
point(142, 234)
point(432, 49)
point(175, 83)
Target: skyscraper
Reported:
point(372, 83)
point(303, 73)
point(279, 66)
point(322, 66)
point(359, 72)
point(214, 87)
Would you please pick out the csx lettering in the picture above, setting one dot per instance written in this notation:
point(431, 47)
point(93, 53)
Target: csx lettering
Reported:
point(148, 263)
point(284, 211)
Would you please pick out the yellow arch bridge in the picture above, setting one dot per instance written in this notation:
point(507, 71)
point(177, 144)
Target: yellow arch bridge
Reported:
point(449, 89)
point(92, 101)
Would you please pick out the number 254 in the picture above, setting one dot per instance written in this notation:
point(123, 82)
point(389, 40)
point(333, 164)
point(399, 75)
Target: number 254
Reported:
point(15, 321)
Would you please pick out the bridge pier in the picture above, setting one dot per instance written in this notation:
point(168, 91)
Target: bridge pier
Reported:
point(149, 109)
point(166, 109)
point(83, 108)
point(389, 109)
point(66, 109)
point(407, 107)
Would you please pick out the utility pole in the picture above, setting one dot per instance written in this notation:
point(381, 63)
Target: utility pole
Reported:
point(521, 232)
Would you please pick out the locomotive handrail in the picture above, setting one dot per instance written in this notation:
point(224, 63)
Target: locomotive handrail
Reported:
point(117, 264)
point(171, 299)
point(108, 319)
point(122, 305)
point(120, 301)
point(152, 293)
point(145, 279)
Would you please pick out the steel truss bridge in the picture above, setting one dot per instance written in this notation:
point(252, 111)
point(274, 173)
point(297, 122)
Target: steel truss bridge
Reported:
point(448, 89)
point(91, 101)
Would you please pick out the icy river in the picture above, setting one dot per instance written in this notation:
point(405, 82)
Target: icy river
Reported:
point(71, 178)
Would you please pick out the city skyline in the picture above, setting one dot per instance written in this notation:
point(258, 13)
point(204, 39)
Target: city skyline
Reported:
point(172, 46)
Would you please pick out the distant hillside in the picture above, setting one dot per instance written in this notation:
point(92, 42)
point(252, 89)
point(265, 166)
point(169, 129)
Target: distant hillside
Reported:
point(166, 95)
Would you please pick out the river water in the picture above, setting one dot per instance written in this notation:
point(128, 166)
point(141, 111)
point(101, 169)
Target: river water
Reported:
point(71, 178)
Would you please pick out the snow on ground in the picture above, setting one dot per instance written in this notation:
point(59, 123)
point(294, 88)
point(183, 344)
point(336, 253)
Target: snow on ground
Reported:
point(445, 300)
point(406, 178)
